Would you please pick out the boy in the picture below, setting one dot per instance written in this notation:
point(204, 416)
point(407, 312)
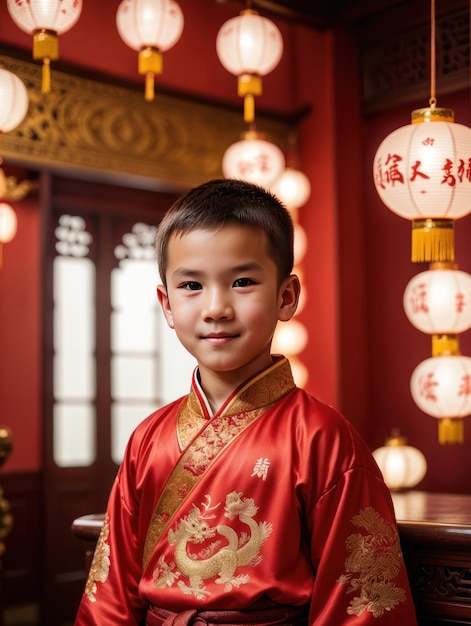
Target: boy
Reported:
point(247, 501)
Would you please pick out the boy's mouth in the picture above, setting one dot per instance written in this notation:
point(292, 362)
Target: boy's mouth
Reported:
point(219, 338)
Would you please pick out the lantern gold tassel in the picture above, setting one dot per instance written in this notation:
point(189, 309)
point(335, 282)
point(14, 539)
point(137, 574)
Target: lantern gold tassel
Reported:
point(433, 240)
point(248, 86)
point(150, 64)
point(450, 430)
point(249, 108)
point(46, 76)
point(46, 49)
point(149, 91)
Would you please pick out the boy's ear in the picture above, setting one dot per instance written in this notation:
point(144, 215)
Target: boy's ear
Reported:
point(165, 304)
point(289, 298)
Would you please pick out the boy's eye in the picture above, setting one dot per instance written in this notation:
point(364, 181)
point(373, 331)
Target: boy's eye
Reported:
point(243, 282)
point(191, 285)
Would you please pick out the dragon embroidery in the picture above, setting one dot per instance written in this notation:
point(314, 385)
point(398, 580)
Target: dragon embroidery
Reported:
point(225, 550)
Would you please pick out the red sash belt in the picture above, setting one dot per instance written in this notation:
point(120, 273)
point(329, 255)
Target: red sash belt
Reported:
point(282, 615)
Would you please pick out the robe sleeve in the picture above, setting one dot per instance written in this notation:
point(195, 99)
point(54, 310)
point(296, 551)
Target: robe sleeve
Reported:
point(361, 579)
point(111, 591)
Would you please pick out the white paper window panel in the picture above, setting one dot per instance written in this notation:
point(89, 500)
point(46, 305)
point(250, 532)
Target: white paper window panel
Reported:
point(133, 377)
point(74, 328)
point(74, 304)
point(74, 434)
point(134, 330)
point(74, 376)
point(134, 284)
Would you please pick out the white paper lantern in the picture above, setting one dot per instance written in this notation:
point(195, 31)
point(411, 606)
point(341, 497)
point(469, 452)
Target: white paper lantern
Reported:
point(254, 160)
point(420, 173)
point(441, 387)
point(149, 27)
point(249, 46)
point(57, 16)
point(402, 466)
point(45, 20)
point(290, 338)
point(438, 301)
point(299, 371)
point(292, 188)
point(300, 243)
point(13, 101)
point(8, 223)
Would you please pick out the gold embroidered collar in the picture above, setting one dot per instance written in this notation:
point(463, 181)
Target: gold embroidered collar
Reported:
point(258, 392)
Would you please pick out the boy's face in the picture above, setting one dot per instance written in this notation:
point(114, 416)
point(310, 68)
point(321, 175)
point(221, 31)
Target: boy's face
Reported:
point(223, 299)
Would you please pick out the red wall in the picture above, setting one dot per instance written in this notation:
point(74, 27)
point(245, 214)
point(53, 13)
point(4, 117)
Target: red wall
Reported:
point(318, 218)
point(20, 320)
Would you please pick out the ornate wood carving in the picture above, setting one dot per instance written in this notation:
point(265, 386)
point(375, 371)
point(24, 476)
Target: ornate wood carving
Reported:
point(397, 69)
point(450, 582)
point(88, 125)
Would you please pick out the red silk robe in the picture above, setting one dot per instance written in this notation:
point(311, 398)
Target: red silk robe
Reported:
point(275, 498)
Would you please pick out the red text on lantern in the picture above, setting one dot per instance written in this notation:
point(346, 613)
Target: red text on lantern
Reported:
point(391, 171)
point(427, 386)
point(465, 387)
point(418, 299)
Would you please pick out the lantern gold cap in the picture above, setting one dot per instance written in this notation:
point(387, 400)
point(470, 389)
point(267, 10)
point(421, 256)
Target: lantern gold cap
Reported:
point(395, 439)
point(249, 84)
point(252, 134)
point(445, 345)
point(443, 265)
point(432, 114)
point(150, 60)
point(45, 45)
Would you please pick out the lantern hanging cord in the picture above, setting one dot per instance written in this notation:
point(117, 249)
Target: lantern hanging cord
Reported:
point(433, 57)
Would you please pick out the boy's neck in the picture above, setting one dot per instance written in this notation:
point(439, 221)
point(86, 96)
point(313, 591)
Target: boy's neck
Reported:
point(217, 390)
point(218, 386)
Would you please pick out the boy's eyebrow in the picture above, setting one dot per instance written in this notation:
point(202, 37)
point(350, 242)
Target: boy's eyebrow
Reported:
point(247, 267)
point(186, 272)
point(182, 272)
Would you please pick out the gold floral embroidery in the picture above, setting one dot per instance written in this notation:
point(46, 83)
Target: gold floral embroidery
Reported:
point(101, 562)
point(374, 560)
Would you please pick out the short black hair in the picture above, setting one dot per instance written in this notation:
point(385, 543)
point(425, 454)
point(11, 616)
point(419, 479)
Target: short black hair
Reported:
point(220, 202)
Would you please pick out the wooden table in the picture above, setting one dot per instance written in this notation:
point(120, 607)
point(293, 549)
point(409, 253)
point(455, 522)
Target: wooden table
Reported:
point(435, 531)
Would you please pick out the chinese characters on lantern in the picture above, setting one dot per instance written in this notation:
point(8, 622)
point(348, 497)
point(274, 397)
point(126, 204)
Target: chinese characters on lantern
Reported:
point(419, 300)
point(429, 387)
point(393, 171)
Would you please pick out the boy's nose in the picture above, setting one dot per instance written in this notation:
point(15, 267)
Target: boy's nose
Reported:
point(217, 306)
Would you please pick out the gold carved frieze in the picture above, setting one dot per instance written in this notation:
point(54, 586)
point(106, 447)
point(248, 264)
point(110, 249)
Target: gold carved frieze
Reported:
point(85, 124)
